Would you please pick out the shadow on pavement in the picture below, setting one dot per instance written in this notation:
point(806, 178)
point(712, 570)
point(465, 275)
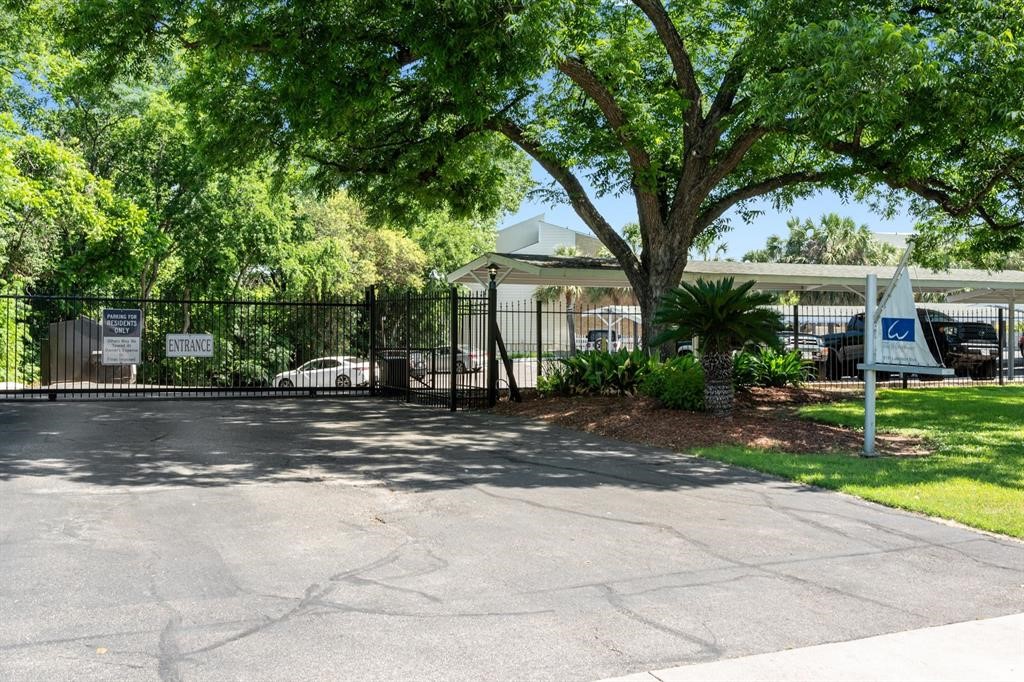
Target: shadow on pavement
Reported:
point(220, 443)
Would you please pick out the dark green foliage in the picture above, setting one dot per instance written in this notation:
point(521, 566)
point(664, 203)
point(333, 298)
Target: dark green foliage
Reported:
point(743, 372)
point(596, 373)
point(769, 367)
point(677, 383)
point(724, 316)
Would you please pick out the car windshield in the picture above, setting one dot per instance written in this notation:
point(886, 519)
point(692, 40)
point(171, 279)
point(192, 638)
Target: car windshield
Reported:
point(928, 315)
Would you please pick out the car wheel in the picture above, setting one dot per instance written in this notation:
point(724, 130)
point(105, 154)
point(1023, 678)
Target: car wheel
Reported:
point(985, 371)
point(460, 366)
point(833, 369)
point(343, 381)
point(285, 383)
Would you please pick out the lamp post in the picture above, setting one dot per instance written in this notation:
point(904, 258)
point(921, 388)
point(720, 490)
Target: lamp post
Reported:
point(492, 335)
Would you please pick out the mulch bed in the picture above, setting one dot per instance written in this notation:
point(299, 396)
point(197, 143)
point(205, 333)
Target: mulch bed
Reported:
point(762, 418)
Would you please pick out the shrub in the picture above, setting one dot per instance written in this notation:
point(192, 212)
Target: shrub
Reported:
point(769, 367)
point(596, 373)
point(744, 374)
point(677, 383)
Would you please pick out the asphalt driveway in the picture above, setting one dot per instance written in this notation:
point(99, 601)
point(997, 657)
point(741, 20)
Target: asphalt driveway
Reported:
point(339, 539)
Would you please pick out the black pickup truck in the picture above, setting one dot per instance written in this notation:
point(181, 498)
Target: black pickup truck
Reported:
point(969, 348)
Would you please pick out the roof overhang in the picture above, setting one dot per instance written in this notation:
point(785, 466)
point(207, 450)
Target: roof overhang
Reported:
point(981, 286)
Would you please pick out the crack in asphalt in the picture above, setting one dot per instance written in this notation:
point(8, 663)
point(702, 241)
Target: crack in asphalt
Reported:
point(705, 547)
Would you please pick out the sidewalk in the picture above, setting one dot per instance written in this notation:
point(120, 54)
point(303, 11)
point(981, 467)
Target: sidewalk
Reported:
point(991, 650)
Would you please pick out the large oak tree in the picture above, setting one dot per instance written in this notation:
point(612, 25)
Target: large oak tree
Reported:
point(694, 107)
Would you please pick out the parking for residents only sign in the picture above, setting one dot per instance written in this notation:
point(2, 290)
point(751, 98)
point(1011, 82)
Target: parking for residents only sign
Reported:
point(189, 345)
point(122, 336)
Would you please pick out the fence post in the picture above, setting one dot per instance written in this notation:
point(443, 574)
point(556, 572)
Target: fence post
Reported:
point(540, 338)
point(453, 386)
point(796, 327)
point(1001, 362)
point(492, 338)
point(371, 309)
point(408, 348)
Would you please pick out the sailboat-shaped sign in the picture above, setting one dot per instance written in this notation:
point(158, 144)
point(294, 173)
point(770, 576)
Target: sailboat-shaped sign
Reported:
point(900, 344)
point(894, 341)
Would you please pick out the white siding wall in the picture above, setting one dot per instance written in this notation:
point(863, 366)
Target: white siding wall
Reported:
point(517, 237)
point(516, 303)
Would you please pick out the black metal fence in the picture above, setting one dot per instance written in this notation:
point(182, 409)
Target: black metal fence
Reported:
point(431, 348)
point(58, 345)
point(436, 348)
point(425, 347)
point(975, 341)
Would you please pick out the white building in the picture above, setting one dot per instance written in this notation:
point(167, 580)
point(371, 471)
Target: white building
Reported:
point(537, 237)
point(534, 237)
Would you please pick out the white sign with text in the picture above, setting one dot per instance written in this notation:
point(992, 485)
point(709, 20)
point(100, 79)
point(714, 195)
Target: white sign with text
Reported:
point(189, 345)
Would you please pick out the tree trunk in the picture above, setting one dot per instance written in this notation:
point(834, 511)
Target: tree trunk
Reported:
point(718, 391)
point(648, 297)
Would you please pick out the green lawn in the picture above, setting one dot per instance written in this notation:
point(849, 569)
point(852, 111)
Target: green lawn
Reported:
point(976, 476)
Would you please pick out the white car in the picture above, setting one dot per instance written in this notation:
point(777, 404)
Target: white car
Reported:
point(339, 371)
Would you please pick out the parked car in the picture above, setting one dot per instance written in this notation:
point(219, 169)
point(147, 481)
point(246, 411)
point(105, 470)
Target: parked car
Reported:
point(969, 348)
point(439, 360)
point(811, 349)
point(339, 371)
point(597, 339)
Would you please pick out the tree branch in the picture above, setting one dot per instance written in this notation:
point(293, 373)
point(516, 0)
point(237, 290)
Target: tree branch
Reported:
point(686, 80)
point(717, 208)
point(582, 204)
point(932, 188)
point(732, 157)
point(643, 182)
point(588, 82)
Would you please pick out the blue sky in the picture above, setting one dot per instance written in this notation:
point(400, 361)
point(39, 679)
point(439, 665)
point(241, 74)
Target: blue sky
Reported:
point(743, 237)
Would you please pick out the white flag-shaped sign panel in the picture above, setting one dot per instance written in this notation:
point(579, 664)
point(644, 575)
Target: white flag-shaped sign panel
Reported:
point(899, 338)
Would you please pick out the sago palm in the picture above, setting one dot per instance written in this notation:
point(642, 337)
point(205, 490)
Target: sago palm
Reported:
point(724, 317)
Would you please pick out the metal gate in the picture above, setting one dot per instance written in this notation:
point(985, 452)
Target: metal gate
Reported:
point(428, 348)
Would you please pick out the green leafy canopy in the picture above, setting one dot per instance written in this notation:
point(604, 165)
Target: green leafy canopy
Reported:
point(694, 107)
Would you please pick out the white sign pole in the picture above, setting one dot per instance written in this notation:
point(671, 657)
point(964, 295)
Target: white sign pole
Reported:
point(870, 301)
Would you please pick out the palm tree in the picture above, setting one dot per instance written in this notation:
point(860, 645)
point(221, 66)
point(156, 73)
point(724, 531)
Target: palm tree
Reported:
point(724, 317)
point(570, 293)
point(832, 240)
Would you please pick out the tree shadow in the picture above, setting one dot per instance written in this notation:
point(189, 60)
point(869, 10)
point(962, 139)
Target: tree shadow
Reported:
point(356, 440)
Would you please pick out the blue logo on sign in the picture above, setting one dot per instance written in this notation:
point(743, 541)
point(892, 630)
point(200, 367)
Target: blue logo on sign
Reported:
point(898, 329)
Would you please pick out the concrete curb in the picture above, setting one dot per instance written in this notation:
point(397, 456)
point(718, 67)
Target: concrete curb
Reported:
point(991, 650)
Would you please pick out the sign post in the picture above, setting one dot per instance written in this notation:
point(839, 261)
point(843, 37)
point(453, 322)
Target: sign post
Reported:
point(870, 298)
point(122, 336)
point(894, 341)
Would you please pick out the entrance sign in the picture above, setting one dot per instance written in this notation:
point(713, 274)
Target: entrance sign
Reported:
point(122, 336)
point(894, 340)
point(899, 337)
point(189, 345)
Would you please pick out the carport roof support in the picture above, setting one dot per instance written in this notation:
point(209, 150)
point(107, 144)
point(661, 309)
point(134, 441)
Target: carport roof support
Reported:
point(986, 287)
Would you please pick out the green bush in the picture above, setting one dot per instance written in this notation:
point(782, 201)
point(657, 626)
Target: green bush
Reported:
point(769, 367)
point(677, 383)
point(596, 373)
point(744, 372)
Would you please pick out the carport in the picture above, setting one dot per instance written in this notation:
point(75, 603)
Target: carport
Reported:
point(1003, 288)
